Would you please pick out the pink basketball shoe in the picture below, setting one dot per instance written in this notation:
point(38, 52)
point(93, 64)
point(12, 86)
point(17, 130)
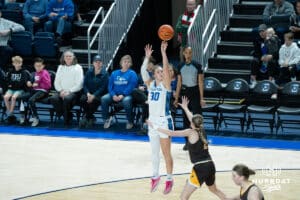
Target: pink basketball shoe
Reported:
point(154, 184)
point(169, 185)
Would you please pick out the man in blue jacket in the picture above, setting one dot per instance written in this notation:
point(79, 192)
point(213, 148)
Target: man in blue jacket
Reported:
point(34, 13)
point(60, 16)
point(120, 86)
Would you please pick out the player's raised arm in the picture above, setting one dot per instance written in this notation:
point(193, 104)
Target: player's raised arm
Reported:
point(167, 78)
point(145, 74)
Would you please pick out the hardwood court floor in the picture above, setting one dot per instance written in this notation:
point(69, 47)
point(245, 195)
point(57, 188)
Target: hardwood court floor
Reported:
point(287, 188)
point(32, 165)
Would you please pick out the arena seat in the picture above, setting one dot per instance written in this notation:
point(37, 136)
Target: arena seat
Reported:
point(233, 106)
point(42, 40)
point(288, 113)
point(261, 107)
point(21, 42)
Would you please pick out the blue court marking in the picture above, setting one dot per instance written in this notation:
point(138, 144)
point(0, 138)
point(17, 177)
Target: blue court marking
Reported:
point(131, 136)
point(116, 181)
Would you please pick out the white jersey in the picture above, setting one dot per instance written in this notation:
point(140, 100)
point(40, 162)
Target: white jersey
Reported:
point(159, 100)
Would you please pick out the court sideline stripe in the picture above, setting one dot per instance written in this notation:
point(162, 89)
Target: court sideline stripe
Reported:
point(132, 136)
point(121, 180)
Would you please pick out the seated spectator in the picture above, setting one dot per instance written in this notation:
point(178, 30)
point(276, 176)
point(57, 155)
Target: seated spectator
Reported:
point(34, 13)
point(295, 22)
point(6, 28)
point(278, 8)
point(40, 88)
point(68, 84)
point(121, 84)
point(94, 87)
point(17, 80)
point(265, 55)
point(289, 57)
point(60, 17)
point(272, 42)
point(80, 6)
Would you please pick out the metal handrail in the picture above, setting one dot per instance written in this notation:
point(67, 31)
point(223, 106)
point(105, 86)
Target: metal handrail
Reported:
point(209, 20)
point(89, 42)
point(115, 27)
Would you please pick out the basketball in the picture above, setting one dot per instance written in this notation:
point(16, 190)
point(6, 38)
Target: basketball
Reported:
point(165, 32)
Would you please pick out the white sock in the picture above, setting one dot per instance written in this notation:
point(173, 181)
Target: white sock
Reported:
point(169, 177)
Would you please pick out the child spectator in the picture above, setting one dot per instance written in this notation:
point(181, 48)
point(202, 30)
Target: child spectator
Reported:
point(40, 88)
point(17, 80)
point(289, 57)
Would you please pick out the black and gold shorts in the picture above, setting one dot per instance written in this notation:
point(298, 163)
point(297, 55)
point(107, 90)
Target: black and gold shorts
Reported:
point(203, 172)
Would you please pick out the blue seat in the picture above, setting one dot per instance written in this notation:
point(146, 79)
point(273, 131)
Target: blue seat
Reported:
point(14, 6)
point(44, 45)
point(13, 15)
point(21, 42)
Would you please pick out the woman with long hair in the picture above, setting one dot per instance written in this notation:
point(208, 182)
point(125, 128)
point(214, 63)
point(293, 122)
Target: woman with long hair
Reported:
point(159, 97)
point(204, 169)
point(240, 176)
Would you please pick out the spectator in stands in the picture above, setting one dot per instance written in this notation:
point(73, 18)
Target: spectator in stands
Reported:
point(272, 42)
point(289, 58)
point(81, 6)
point(190, 84)
point(183, 24)
point(17, 80)
point(68, 84)
point(40, 88)
point(264, 63)
point(94, 87)
point(60, 17)
point(6, 28)
point(121, 84)
point(278, 8)
point(295, 21)
point(34, 13)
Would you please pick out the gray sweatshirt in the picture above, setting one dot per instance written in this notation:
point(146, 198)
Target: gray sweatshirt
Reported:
point(8, 25)
point(289, 54)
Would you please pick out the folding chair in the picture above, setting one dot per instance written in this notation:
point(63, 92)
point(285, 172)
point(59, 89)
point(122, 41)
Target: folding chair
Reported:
point(233, 106)
point(261, 107)
point(212, 96)
point(288, 113)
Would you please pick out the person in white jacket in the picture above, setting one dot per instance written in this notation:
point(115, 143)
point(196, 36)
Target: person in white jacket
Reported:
point(289, 57)
point(68, 84)
point(6, 28)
